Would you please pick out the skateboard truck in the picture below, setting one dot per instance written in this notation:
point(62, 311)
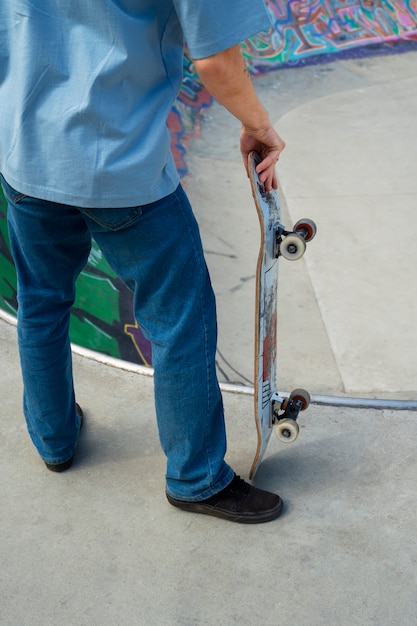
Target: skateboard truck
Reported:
point(292, 244)
point(284, 413)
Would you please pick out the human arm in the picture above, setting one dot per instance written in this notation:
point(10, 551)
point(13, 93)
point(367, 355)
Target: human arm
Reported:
point(227, 79)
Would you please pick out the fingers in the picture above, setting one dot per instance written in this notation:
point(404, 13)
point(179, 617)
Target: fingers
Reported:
point(269, 178)
point(269, 146)
point(266, 171)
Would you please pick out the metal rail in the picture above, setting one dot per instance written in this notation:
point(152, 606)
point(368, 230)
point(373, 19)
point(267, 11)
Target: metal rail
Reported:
point(323, 400)
point(337, 401)
point(365, 403)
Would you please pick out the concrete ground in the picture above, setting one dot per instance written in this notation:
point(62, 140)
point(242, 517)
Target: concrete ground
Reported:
point(348, 308)
point(100, 545)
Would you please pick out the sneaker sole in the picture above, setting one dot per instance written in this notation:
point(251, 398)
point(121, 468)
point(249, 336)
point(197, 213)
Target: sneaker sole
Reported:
point(240, 518)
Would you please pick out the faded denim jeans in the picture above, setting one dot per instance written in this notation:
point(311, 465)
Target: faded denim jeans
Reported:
point(156, 250)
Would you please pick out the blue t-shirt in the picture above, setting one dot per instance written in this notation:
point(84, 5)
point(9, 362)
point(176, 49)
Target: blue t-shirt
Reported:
point(86, 87)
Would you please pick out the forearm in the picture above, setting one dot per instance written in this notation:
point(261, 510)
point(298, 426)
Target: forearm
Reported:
point(227, 79)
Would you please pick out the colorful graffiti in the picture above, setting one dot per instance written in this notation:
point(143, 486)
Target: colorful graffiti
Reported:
point(303, 31)
point(305, 28)
point(8, 299)
point(185, 117)
point(102, 316)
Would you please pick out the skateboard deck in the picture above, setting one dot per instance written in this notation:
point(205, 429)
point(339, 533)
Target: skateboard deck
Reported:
point(271, 409)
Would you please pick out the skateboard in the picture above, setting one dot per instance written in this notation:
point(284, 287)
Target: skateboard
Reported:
point(272, 410)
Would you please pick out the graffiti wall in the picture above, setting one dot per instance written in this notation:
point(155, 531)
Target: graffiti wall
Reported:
point(101, 318)
point(302, 31)
point(305, 28)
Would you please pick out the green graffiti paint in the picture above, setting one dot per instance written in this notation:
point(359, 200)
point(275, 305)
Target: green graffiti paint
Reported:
point(102, 315)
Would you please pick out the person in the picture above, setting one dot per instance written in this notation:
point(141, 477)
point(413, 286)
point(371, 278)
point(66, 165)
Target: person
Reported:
point(85, 91)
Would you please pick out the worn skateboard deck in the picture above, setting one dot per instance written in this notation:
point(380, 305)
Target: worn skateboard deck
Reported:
point(269, 213)
point(272, 410)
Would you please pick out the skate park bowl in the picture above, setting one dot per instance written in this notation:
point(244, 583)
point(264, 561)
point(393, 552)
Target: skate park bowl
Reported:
point(346, 310)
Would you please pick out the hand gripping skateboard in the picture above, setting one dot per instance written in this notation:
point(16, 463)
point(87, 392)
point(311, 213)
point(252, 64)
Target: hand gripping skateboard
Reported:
point(272, 411)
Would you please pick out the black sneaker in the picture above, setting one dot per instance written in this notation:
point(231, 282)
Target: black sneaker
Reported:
point(61, 467)
point(238, 502)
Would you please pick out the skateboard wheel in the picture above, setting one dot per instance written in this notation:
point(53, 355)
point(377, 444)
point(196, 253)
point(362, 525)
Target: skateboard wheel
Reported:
point(306, 228)
point(301, 395)
point(287, 430)
point(293, 247)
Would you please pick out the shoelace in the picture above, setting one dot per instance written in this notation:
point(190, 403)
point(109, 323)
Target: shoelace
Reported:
point(238, 487)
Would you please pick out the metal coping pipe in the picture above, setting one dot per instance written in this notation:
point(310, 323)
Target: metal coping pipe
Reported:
point(323, 400)
point(337, 401)
point(365, 403)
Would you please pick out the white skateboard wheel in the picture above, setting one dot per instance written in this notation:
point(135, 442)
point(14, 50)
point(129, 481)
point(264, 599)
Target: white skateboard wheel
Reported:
point(287, 430)
point(293, 247)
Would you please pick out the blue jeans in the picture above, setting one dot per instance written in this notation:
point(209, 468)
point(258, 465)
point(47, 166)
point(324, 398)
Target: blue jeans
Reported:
point(156, 250)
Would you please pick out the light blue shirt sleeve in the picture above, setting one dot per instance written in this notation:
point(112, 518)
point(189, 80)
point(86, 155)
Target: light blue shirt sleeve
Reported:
point(211, 26)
